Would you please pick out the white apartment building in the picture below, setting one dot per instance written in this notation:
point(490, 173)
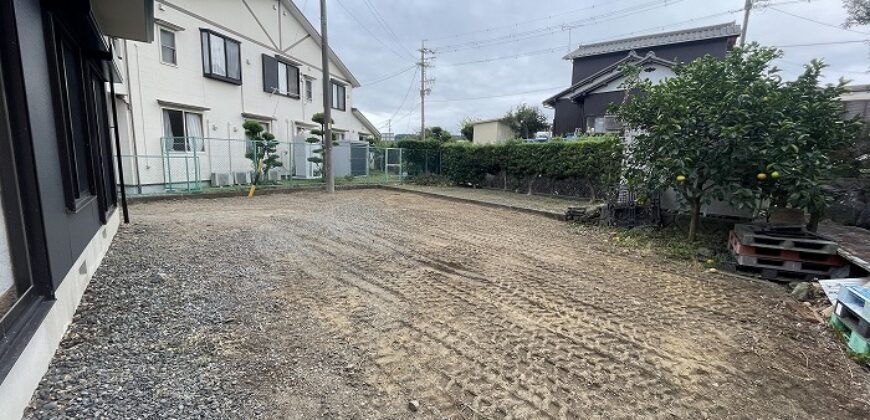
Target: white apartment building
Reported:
point(213, 66)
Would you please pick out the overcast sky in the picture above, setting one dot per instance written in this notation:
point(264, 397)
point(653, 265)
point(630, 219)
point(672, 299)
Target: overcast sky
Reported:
point(478, 31)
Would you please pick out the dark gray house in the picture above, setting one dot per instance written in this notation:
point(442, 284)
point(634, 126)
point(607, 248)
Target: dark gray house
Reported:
point(59, 205)
point(596, 81)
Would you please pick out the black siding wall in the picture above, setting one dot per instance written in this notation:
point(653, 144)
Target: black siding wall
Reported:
point(587, 66)
point(570, 115)
point(67, 234)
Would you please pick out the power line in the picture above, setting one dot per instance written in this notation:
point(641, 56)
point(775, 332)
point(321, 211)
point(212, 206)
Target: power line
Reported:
point(410, 87)
point(365, 27)
point(524, 22)
point(817, 21)
point(549, 89)
point(380, 19)
point(548, 30)
point(385, 78)
point(815, 44)
point(560, 48)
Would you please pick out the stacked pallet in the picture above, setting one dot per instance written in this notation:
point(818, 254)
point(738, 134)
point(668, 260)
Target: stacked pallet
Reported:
point(785, 252)
point(852, 317)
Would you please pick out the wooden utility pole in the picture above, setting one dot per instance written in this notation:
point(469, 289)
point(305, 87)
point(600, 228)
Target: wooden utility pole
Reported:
point(327, 103)
point(746, 9)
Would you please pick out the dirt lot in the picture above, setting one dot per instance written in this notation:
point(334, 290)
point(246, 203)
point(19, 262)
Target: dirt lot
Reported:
point(350, 306)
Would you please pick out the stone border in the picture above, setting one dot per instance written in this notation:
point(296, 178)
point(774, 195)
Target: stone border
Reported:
point(549, 214)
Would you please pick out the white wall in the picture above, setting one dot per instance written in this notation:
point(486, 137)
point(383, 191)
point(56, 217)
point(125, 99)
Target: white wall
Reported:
point(492, 132)
point(6, 281)
point(654, 73)
point(150, 80)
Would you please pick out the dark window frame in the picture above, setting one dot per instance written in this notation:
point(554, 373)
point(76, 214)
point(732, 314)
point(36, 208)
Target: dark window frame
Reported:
point(205, 37)
point(335, 87)
point(21, 203)
point(288, 65)
point(57, 36)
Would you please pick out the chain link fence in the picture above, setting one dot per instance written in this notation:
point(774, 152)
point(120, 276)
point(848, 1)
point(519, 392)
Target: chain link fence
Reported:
point(189, 165)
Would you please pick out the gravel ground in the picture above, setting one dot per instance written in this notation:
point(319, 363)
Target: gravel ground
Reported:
point(382, 304)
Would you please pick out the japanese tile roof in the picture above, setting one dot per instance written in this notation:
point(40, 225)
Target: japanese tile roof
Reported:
point(725, 30)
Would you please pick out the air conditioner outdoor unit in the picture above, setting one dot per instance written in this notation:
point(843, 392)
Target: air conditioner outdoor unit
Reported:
point(242, 177)
point(274, 175)
point(221, 179)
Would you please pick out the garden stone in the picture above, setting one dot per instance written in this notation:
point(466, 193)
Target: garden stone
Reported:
point(802, 292)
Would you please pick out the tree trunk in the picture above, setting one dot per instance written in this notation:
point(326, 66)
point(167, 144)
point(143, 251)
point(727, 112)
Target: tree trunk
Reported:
point(696, 218)
point(815, 218)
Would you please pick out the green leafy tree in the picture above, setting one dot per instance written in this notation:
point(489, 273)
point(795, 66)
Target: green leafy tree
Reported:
point(730, 129)
point(317, 138)
point(262, 151)
point(467, 128)
point(526, 120)
point(858, 11)
point(690, 132)
point(809, 145)
point(438, 134)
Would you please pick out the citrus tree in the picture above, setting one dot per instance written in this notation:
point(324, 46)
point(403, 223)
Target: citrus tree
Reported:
point(731, 129)
point(693, 132)
point(808, 145)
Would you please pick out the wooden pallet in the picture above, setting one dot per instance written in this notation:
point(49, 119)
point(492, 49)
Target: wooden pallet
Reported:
point(786, 239)
point(772, 274)
point(804, 267)
point(783, 254)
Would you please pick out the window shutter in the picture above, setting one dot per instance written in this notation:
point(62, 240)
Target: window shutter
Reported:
point(270, 74)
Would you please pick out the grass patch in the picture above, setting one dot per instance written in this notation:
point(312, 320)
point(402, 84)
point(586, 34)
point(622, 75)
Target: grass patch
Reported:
point(710, 248)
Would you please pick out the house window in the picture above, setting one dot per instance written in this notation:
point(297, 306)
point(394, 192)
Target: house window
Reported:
point(167, 47)
point(182, 131)
point(603, 125)
point(280, 77)
point(75, 139)
point(221, 57)
point(309, 89)
point(338, 96)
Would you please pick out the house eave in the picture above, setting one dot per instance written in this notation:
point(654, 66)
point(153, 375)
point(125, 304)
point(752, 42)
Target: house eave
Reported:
point(582, 87)
point(703, 33)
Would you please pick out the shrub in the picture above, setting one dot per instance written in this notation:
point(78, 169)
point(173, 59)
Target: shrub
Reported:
point(420, 157)
point(595, 159)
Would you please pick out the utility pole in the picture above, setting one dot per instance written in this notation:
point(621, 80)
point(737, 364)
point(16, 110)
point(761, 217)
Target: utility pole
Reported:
point(327, 103)
point(746, 9)
point(425, 62)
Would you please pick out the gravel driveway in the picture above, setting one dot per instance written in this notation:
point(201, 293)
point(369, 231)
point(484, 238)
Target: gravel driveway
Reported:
point(382, 304)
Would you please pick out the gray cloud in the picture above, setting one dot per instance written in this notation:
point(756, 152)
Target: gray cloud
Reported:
point(371, 52)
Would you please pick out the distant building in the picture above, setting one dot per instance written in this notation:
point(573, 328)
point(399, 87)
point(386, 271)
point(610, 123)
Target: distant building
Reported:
point(856, 101)
point(597, 77)
point(215, 65)
point(492, 131)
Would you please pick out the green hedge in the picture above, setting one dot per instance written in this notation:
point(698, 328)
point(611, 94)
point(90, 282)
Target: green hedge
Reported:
point(595, 159)
point(420, 157)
